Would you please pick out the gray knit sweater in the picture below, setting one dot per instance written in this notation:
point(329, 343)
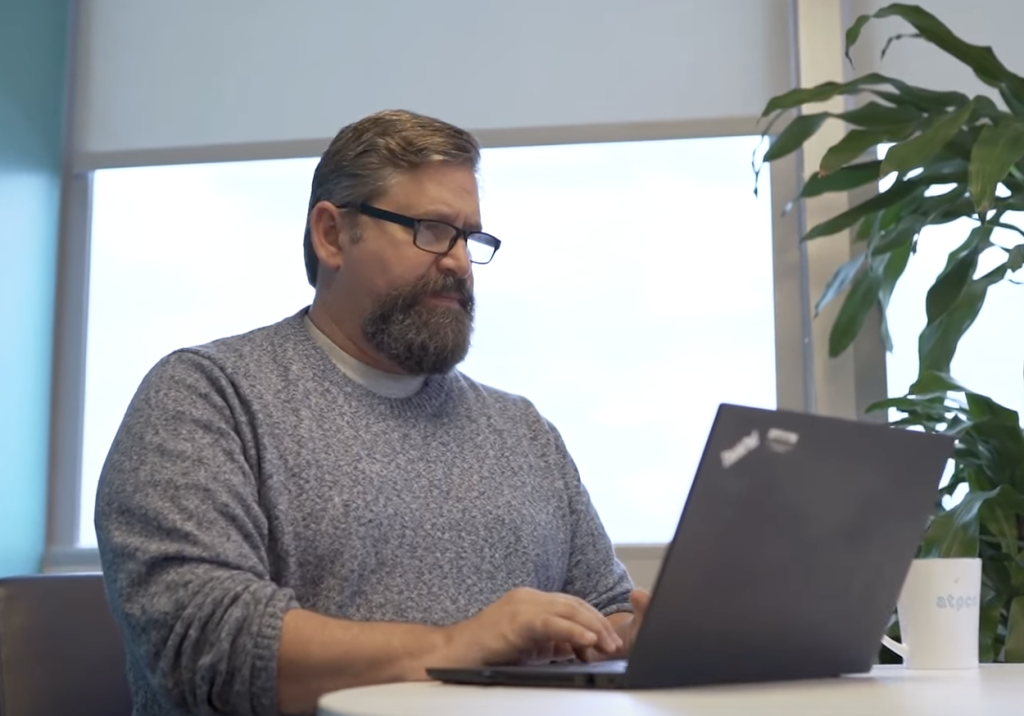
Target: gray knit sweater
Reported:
point(251, 476)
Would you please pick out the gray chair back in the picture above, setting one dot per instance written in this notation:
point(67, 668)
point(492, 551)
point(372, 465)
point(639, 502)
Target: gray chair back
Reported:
point(60, 649)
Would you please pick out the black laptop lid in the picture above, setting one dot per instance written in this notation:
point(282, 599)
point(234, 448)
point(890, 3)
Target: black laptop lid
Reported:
point(792, 549)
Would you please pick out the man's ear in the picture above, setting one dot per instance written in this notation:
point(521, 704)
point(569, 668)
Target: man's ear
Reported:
point(329, 234)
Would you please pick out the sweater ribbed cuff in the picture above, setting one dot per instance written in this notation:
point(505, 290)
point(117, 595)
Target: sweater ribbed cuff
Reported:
point(268, 642)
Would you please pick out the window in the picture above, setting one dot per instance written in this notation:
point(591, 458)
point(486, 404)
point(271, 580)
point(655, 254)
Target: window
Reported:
point(182, 255)
point(633, 293)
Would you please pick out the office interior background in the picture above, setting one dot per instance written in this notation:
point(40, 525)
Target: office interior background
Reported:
point(155, 161)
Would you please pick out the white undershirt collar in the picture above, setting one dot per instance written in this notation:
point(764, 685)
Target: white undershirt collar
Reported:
point(389, 385)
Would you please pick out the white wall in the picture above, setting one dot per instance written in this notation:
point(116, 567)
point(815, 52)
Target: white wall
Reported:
point(157, 75)
point(998, 23)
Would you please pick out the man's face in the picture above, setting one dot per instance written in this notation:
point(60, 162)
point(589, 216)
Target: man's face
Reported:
point(416, 307)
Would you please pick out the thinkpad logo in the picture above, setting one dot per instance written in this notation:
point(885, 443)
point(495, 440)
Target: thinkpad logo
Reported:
point(780, 440)
point(741, 449)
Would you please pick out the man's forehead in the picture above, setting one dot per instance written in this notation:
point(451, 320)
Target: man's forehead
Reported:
point(446, 195)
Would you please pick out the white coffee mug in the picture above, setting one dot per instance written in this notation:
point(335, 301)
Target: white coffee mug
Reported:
point(939, 612)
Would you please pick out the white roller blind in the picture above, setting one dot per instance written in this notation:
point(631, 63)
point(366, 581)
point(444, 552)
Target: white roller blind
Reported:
point(153, 76)
point(997, 23)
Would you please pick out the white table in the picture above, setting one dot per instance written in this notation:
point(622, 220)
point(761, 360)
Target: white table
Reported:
point(992, 690)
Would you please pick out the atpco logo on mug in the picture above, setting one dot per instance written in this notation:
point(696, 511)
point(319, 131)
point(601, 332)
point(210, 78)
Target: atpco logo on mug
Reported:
point(957, 603)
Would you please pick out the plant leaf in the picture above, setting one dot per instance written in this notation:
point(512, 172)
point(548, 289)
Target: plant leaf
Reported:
point(894, 263)
point(902, 236)
point(839, 281)
point(932, 406)
point(852, 146)
point(1016, 258)
point(960, 267)
point(897, 38)
point(875, 115)
point(938, 341)
point(934, 382)
point(853, 34)
point(821, 93)
point(846, 178)
point(991, 615)
point(1015, 105)
point(999, 516)
point(794, 135)
point(982, 60)
point(859, 301)
point(998, 148)
point(912, 153)
point(920, 98)
point(950, 171)
point(985, 108)
point(945, 211)
point(896, 121)
point(926, 100)
point(1015, 631)
point(893, 195)
point(981, 406)
point(991, 448)
point(868, 227)
point(954, 533)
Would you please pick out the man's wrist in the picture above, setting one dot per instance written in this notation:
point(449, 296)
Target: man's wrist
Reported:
point(441, 650)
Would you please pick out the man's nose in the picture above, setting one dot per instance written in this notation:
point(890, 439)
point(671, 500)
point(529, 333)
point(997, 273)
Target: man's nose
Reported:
point(456, 262)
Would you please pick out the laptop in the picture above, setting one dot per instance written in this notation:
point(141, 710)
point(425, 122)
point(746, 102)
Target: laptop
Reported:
point(787, 561)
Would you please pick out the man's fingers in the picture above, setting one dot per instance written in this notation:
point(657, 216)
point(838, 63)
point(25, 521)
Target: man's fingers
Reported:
point(588, 654)
point(559, 629)
point(640, 599)
point(582, 613)
point(541, 654)
point(563, 651)
point(553, 651)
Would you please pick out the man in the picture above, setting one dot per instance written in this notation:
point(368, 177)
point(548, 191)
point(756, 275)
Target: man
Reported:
point(326, 502)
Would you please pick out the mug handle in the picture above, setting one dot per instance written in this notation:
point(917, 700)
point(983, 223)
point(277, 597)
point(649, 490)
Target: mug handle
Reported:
point(900, 649)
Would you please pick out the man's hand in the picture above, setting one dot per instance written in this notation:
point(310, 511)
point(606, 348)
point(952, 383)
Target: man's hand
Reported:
point(529, 625)
point(639, 599)
point(626, 626)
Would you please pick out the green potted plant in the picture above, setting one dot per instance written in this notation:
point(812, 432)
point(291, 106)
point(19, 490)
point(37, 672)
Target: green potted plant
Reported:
point(951, 157)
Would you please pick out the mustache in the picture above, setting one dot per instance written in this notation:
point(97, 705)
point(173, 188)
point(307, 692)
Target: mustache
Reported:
point(440, 285)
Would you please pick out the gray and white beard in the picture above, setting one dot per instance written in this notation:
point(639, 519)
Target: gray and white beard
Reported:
point(419, 337)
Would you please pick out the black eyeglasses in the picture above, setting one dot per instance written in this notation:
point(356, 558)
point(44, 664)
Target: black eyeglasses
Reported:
point(436, 237)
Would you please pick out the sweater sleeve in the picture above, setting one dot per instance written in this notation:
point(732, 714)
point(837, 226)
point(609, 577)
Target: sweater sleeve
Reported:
point(595, 574)
point(183, 544)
